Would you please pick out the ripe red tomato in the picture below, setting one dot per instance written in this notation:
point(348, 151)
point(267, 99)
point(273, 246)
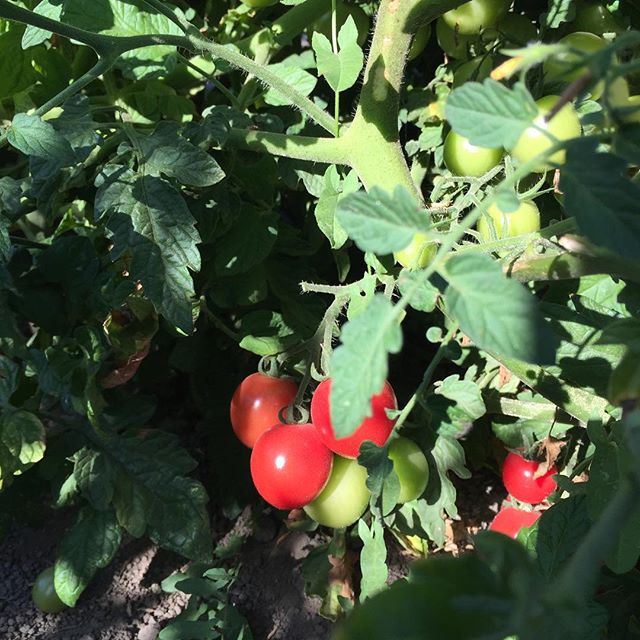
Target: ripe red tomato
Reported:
point(44, 594)
point(290, 465)
point(377, 427)
point(518, 479)
point(256, 403)
point(510, 520)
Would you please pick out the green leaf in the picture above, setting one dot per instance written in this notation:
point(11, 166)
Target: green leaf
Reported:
point(382, 480)
point(601, 198)
point(16, 70)
point(559, 12)
point(334, 190)
point(265, 333)
point(381, 222)
point(295, 76)
point(22, 442)
point(359, 365)
point(35, 137)
point(34, 36)
point(166, 151)
point(89, 545)
point(455, 404)
point(8, 379)
point(497, 313)
point(341, 69)
point(490, 114)
point(372, 558)
point(423, 294)
point(143, 476)
point(560, 530)
point(150, 221)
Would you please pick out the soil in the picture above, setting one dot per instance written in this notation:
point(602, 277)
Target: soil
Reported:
point(125, 601)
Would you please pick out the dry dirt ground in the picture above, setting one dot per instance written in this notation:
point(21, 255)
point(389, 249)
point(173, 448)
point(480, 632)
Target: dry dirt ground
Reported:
point(125, 601)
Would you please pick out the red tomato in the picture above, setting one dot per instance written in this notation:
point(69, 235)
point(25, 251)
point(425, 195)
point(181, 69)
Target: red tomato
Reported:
point(376, 427)
point(509, 521)
point(518, 479)
point(256, 403)
point(290, 465)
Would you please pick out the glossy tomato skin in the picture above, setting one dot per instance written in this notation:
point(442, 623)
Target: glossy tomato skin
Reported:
point(256, 404)
point(510, 520)
point(44, 594)
point(525, 219)
point(376, 428)
point(518, 479)
point(419, 41)
point(290, 465)
point(465, 159)
point(454, 44)
point(411, 467)
point(564, 126)
point(344, 498)
point(476, 15)
point(594, 17)
point(558, 68)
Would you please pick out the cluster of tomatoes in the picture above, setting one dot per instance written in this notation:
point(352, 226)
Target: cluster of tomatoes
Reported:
point(305, 466)
point(528, 482)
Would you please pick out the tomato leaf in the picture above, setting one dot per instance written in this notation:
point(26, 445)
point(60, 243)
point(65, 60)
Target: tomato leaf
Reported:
point(497, 313)
point(90, 544)
point(359, 366)
point(372, 558)
point(382, 222)
point(35, 137)
point(335, 189)
point(490, 114)
point(601, 198)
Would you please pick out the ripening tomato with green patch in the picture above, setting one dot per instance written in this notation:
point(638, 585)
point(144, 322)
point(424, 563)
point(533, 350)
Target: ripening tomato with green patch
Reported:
point(411, 467)
point(290, 465)
point(344, 498)
point(476, 15)
point(524, 219)
point(44, 593)
point(418, 253)
point(526, 481)
point(533, 141)
point(510, 521)
point(256, 405)
point(376, 428)
point(465, 159)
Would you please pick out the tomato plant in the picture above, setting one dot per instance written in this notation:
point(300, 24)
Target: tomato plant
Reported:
point(452, 42)
point(536, 139)
point(258, 4)
point(524, 219)
point(256, 405)
point(560, 67)
point(411, 466)
point(510, 520)
point(375, 428)
point(44, 593)
point(418, 253)
point(344, 498)
point(465, 159)
point(344, 11)
point(290, 465)
point(525, 482)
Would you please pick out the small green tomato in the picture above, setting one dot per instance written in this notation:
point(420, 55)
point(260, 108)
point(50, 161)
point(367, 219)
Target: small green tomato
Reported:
point(44, 593)
point(476, 15)
point(525, 219)
point(345, 496)
point(418, 253)
point(465, 159)
point(565, 125)
point(411, 467)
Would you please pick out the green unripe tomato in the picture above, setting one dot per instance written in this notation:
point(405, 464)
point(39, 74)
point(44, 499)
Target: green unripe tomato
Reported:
point(465, 159)
point(471, 17)
point(343, 11)
point(454, 44)
point(345, 496)
point(525, 219)
point(419, 42)
point(513, 29)
point(476, 69)
point(258, 4)
point(44, 594)
point(565, 125)
point(411, 467)
point(632, 116)
point(558, 68)
point(594, 18)
point(418, 254)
